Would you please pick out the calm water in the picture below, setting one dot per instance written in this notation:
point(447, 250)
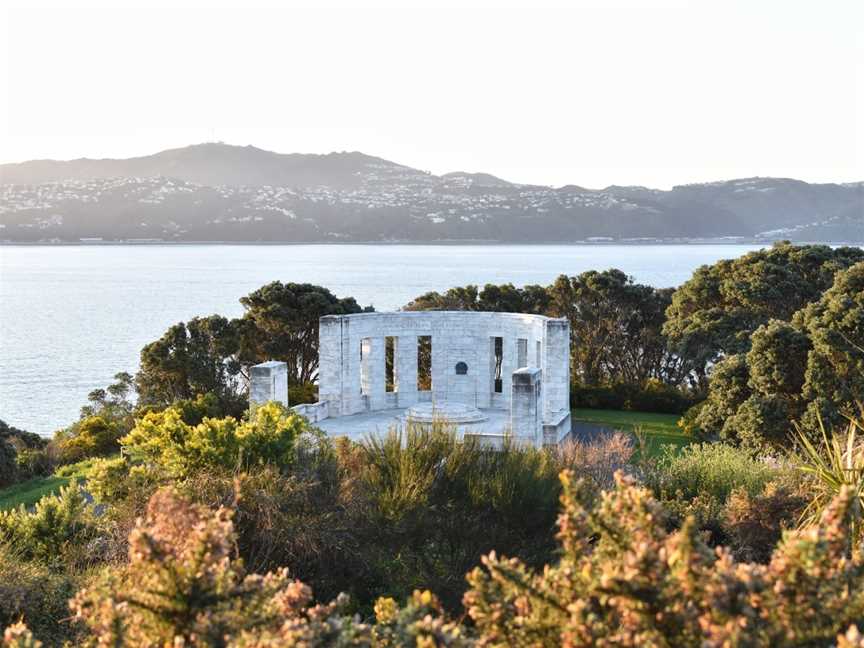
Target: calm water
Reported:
point(72, 317)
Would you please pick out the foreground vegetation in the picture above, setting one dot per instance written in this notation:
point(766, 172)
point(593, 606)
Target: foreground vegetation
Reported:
point(728, 511)
point(199, 548)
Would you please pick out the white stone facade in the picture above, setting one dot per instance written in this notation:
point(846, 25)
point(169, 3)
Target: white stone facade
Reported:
point(525, 371)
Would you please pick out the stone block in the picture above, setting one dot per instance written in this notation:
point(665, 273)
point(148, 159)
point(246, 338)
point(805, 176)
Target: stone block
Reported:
point(268, 381)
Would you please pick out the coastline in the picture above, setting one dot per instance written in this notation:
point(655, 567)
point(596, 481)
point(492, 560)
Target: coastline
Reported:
point(441, 242)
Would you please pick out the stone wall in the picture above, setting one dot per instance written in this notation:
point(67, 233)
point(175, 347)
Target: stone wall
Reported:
point(352, 374)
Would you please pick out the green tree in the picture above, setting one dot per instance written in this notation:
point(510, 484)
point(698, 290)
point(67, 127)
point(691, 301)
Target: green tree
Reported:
point(505, 298)
point(835, 369)
point(198, 357)
point(615, 328)
point(808, 371)
point(281, 323)
point(729, 388)
point(714, 313)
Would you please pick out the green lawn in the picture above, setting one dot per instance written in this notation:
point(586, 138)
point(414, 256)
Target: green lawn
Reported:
point(656, 430)
point(31, 491)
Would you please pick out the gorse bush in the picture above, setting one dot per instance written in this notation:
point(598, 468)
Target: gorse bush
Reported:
point(55, 530)
point(184, 586)
point(180, 449)
point(93, 436)
point(39, 596)
point(623, 580)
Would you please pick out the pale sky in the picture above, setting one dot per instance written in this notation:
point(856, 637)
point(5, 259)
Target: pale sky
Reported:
point(582, 92)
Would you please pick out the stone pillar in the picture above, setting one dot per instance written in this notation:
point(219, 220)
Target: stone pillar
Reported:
point(439, 366)
point(406, 370)
point(268, 381)
point(508, 366)
point(526, 413)
point(330, 360)
point(556, 366)
point(374, 374)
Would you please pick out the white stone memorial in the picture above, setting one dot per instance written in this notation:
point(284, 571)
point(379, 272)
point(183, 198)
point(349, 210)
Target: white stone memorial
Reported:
point(490, 375)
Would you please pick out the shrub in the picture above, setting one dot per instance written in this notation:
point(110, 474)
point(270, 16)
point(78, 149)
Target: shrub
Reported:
point(837, 462)
point(688, 422)
point(651, 396)
point(31, 592)
point(57, 528)
point(303, 393)
point(428, 506)
point(8, 463)
point(93, 436)
point(181, 449)
point(707, 469)
point(184, 586)
point(754, 524)
point(623, 580)
point(600, 460)
point(33, 462)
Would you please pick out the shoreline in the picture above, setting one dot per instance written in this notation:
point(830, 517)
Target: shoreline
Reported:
point(441, 242)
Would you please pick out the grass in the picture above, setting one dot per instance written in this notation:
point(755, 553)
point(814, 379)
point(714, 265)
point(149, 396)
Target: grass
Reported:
point(656, 430)
point(31, 491)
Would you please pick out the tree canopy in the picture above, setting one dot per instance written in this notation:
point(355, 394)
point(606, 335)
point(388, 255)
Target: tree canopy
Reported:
point(808, 371)
point(714, 313)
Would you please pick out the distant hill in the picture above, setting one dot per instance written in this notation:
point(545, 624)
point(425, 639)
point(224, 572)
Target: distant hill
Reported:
point(217, 192)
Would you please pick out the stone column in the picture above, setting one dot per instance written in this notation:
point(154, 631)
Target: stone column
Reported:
point(375, 373)
point(526, 415)
point(406, 370)
point(508, 365)
point(268, 381)
point(330, 360)
point(439, 366)
point(556, 366)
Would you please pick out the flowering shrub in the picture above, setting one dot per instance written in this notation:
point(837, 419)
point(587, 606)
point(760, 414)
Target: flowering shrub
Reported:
point(58, 526)
point(623, 580)
point(167, 440)
point(184, 586)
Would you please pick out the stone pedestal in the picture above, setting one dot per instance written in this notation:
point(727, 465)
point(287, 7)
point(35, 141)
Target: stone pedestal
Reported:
point(526, 409)
point(268, 381)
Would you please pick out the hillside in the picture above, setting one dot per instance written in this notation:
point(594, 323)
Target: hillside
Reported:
point(218, 192)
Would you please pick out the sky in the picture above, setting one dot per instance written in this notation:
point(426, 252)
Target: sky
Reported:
point(592, 92)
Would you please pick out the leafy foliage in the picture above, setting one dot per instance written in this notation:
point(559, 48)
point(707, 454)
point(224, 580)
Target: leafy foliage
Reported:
point(806, 370)
point(435, 504)
point(713, 314)
point(835, 464)
point(194, 358)
point(184, 586)
point(638, 585)
point(55, 530)
point(39, 596)
point(281, 323)
point(505, 298)
point(168, 441)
